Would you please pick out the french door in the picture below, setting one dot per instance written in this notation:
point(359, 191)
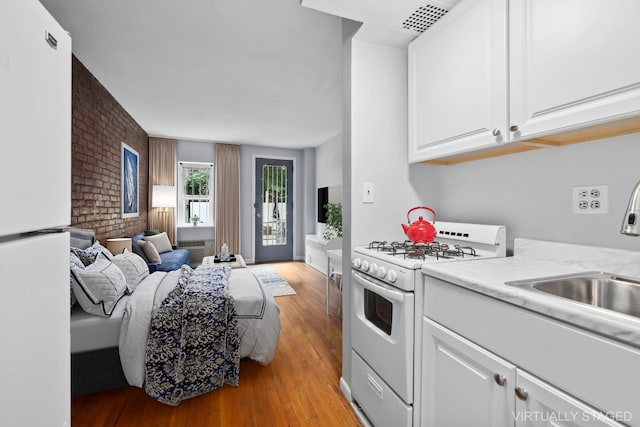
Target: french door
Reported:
point(273, 210)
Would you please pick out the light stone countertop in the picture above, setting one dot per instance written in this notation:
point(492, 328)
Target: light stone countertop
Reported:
point(537, 259)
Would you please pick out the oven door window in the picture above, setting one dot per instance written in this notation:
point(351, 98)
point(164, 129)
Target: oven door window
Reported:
point(378, 310)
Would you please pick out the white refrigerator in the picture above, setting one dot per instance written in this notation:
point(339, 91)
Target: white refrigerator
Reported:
point(35, 204)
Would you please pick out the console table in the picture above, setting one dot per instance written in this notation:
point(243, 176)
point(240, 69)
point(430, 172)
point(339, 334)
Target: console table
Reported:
point(316, 248)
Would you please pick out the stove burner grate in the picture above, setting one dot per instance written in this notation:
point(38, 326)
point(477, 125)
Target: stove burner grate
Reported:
point(411, 250)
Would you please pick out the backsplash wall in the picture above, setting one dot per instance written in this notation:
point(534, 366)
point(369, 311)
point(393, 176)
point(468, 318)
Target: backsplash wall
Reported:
point(99, 126)
point(531, 193)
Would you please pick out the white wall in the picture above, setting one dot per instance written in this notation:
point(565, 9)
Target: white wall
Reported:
point(328, 164)
point(349, 28)
point(531, 192)
point(328, 168)
point(379, 146)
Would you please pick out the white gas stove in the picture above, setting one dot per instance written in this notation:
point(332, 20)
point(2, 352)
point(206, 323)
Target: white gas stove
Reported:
point(386, 313)
point(454, 242)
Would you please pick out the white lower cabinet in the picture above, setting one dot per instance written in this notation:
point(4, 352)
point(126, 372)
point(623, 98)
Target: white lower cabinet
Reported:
point(540, 404)
point(464, 384)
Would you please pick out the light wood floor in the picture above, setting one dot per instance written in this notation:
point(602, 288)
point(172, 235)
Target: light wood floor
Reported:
point(299, 388)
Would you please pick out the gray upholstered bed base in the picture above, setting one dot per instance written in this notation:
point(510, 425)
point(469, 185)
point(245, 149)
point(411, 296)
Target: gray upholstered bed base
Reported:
point(96, 370)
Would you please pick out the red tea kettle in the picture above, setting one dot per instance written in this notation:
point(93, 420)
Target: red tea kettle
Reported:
point(420, 231)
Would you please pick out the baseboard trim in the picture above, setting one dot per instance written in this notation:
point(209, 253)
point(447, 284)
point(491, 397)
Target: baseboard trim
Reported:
point(346, 391)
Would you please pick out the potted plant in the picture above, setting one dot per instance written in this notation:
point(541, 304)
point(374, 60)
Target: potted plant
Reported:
point(333, 226)
point(195, 219)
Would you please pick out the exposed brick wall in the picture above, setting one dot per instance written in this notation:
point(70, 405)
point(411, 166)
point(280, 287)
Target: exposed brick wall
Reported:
point(99, 126)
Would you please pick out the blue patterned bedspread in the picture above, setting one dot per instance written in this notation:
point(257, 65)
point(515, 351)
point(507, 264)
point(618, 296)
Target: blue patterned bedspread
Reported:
point(193, 341)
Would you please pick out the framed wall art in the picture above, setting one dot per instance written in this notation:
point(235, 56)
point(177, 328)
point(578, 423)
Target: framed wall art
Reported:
point(129, 182)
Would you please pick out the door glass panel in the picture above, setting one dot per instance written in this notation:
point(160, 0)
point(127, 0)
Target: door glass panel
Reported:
point(378, 310)
point(274, 205)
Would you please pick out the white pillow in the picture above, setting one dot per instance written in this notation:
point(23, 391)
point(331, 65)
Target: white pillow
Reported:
point(99, 287)
point(133, 267)
point(150, 251)
point(160, 241)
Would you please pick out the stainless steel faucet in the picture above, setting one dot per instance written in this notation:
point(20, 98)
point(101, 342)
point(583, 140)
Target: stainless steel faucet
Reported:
point(631, 222)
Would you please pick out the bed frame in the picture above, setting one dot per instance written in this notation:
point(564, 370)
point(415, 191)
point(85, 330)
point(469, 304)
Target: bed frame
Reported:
point(97, 370)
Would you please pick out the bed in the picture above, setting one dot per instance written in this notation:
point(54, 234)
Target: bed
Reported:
point(110, 352)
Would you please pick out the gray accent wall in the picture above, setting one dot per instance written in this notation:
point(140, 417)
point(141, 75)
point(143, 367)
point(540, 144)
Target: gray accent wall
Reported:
point(310, 169)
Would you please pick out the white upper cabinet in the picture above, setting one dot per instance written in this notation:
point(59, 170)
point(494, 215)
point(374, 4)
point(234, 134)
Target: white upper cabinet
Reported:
point(458, 82)
point(573, 64)
point(35, 118)
point(492, 73)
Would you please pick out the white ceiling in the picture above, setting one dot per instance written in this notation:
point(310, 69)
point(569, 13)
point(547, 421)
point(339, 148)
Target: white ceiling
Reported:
point(382, 20)
point(263, 72)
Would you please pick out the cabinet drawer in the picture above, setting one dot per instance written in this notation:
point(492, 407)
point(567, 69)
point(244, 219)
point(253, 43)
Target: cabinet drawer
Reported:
point(378, 401)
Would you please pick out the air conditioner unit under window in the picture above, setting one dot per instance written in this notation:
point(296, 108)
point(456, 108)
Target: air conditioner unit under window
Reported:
point(198, 249)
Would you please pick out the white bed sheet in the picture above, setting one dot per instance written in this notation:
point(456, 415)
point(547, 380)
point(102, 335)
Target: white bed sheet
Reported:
point(91, 332)
point(257, 313)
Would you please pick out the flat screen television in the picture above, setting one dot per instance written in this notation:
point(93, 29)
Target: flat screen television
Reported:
point(323, 199)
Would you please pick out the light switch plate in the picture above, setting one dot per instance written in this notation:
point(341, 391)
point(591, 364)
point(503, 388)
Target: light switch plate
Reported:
point(367, 192)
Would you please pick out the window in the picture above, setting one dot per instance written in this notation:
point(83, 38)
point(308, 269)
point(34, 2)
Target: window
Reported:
point(195, 193)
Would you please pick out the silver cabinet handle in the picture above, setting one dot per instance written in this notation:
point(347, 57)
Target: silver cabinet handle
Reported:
point(514, 128)
point(521, 393)
point(500, 379)
point(496, 132)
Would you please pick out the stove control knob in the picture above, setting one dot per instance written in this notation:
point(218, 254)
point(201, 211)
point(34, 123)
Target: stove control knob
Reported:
point(365, 265)
point(382, 272)
point(356, 262)
point(373, 268)
point(391, 276)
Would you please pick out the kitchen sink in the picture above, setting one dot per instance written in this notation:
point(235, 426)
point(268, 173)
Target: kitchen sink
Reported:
point(598, 289)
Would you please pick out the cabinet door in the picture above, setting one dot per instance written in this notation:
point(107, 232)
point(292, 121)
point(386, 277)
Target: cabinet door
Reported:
point(463, 384)
point(35, 118)
point(458, 82)
point(539, 404)
point(572, 64)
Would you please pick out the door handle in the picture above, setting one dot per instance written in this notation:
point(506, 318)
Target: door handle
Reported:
point(258, 215)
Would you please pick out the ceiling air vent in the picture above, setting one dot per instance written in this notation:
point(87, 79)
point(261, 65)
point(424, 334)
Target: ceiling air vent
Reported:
point(423, 18)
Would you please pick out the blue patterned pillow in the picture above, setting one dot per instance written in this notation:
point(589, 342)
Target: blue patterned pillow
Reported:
point(88, 256)
point(74, 262)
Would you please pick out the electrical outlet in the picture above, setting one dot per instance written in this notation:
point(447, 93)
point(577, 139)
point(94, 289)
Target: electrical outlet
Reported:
point(591, 199)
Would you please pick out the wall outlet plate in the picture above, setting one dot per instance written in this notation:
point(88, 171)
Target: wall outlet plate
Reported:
point(590, 199)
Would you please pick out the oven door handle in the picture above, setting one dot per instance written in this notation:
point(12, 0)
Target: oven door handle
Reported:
point(379, 288)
